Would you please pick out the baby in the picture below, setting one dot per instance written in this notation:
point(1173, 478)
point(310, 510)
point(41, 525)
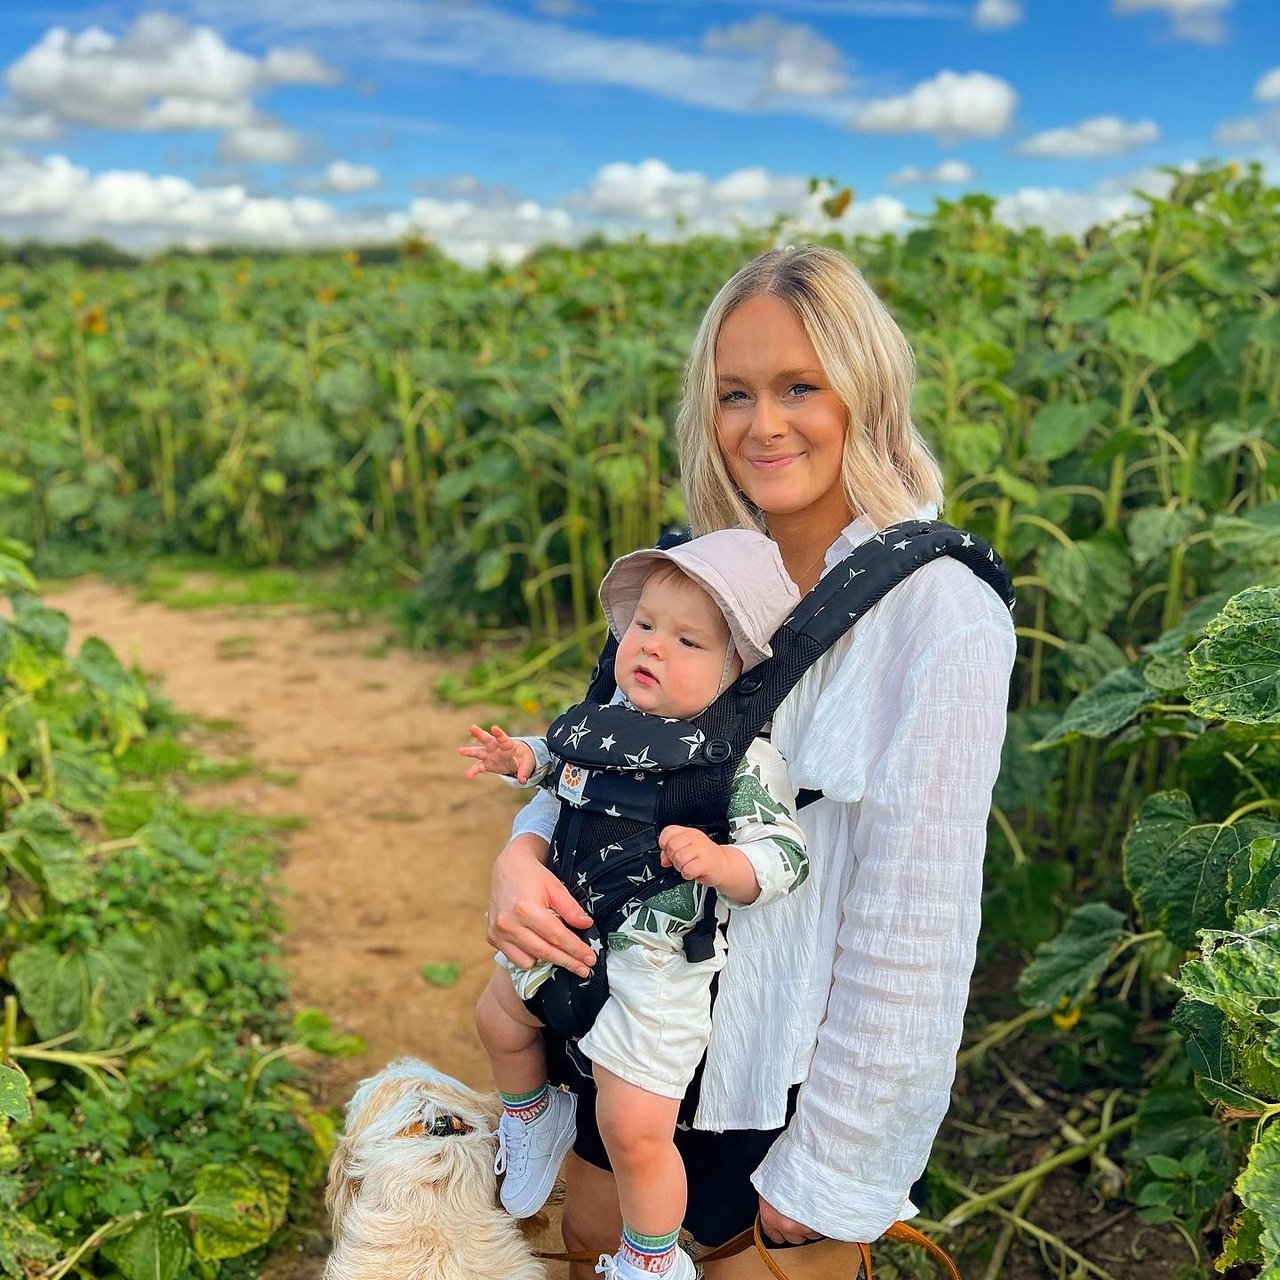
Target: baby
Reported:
point(689, 621)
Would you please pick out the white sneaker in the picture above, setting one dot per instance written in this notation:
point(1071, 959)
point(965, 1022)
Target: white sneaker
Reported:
point(530, 1153)
point(614, 1268)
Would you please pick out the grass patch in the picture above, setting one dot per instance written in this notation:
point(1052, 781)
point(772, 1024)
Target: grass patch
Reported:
point(230, 648)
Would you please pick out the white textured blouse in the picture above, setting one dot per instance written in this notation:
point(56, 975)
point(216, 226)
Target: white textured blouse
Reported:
point(856, 984)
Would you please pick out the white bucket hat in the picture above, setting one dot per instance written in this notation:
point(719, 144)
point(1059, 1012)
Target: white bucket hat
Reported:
point(740, 569)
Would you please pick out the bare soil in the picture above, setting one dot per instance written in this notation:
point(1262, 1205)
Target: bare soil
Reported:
point(391, 870)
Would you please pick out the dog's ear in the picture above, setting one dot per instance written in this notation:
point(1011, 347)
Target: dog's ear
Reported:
point(343, 1186)
point(340, 1195)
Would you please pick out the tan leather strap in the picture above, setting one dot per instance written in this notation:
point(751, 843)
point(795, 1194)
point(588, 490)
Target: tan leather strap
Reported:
point(909, 1235)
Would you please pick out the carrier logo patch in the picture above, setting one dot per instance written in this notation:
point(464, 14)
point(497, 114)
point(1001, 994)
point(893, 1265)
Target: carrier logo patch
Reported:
point(573, 782)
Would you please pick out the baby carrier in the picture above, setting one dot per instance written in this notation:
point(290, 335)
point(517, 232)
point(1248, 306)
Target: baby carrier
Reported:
point(621, 777)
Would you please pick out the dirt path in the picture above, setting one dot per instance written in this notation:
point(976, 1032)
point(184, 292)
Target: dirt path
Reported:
point(391, 869)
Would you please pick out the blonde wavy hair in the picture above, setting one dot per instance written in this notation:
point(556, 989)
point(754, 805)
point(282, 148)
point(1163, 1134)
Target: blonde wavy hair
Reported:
point(888, 470)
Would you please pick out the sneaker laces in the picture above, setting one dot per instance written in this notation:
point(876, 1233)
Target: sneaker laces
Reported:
point(608, 1267)
point(513, 1145)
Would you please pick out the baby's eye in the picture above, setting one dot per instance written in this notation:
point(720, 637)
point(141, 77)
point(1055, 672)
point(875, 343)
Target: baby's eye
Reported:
point(644, 626)
point(689, 644)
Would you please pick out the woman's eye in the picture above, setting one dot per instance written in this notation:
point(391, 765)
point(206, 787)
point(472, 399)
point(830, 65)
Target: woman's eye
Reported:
point(729, 397)
point(801, 388)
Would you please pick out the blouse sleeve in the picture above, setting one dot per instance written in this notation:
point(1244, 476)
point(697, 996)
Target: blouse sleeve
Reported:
point(538, 817)
point(879, 1081)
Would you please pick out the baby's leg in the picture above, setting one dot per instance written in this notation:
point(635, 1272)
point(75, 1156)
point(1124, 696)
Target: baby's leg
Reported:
point(511, 1036)
point(638, 1130)
point(537, 1123)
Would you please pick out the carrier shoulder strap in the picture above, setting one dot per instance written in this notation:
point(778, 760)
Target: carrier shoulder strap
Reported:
point(844, 595)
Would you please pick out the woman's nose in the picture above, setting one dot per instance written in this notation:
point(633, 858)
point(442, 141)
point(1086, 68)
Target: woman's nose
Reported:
point(766, 421)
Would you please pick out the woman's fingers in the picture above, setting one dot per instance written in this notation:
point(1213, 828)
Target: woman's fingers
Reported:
point(541, 939)
point(781, 1229)
point(565, 906)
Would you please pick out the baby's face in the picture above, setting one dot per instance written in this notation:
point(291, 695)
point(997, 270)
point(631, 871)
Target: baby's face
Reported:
point(671, 658)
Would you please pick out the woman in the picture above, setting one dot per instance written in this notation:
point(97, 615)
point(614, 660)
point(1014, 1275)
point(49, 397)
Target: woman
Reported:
point(796, 419)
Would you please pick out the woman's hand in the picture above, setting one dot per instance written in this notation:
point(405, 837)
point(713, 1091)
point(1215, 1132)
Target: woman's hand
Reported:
point(496, 753)
point(528, 908)
point(781, 1229)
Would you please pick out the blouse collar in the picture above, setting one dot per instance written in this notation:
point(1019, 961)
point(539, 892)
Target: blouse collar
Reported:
point(857, 531)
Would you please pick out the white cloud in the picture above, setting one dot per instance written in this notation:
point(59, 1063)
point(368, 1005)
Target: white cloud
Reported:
point(993, 14)
point(263, 142)
point(1101, 136)
point(57, 200)
point(53, 199)
point(163, 74)
point(296, 66)
point(1192, 19)
point(1268, 87)
point(562, 8)
point(27, 126)
point(667, 202)
point(946, 172)
point(199, 113)
point(951, 105)
point(798, 61)
point(1238, 133)
point(475, 233)
point(343, 176)
point(1062, 212)
point(494, 42)
point(1251, 132)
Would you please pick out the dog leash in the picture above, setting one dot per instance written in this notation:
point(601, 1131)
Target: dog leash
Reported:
point(900, 1231)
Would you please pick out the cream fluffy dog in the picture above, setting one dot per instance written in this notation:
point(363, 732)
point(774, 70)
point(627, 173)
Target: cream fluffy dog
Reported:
point(412, 1189)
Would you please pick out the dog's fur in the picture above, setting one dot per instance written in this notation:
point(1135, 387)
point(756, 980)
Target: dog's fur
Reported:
point(410, 1205)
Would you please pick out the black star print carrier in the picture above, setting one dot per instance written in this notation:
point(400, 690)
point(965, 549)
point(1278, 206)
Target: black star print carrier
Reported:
point(621, 777)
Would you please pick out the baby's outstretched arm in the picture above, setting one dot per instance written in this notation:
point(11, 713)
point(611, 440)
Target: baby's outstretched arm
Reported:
point(497, 753)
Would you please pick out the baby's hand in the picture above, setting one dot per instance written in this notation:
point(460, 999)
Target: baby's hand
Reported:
point(499, 754)
point(694, 855)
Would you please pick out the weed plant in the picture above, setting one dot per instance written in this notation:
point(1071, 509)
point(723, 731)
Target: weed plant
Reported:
point(151, 1123)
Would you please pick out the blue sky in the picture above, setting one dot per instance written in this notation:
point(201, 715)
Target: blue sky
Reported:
point(494, 124)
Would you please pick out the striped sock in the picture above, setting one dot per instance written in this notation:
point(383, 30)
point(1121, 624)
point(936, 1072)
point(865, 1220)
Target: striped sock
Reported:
point(651, 1254)
point(527, 1106)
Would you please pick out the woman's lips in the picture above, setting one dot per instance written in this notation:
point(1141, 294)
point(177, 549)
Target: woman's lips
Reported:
point(772, 464)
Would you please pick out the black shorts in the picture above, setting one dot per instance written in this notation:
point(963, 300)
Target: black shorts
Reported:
point(722, 1201)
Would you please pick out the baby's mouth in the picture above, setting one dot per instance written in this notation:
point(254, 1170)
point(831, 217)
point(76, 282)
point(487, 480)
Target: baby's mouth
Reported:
point(645, 676)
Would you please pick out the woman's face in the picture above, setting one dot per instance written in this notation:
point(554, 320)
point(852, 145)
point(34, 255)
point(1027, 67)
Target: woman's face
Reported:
point(780, 426)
